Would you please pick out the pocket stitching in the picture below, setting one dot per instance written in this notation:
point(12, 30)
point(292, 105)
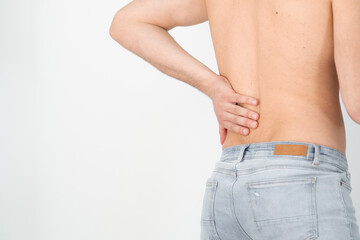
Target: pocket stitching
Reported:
point(315, 214)
point(252, 209)
point(211, 185)
point(280, 180)
point(272, 182)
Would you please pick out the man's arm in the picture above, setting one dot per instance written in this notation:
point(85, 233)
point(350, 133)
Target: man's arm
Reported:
point(346, 15)
point(142, 27)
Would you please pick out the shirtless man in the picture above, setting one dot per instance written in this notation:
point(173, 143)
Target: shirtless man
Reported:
point(292, 57)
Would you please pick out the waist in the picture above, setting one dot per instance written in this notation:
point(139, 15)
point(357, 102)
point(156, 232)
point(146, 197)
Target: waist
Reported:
point(276, 150)
point(312, 128)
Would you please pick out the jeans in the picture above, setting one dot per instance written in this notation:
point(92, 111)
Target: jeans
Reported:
point(281, 190)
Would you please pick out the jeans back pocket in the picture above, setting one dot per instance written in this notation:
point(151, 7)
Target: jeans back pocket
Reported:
point(284, 208)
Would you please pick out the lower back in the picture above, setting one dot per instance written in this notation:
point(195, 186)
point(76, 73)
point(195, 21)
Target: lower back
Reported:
point(281, 52)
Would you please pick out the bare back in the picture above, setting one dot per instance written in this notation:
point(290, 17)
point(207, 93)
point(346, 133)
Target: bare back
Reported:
point(282, 53)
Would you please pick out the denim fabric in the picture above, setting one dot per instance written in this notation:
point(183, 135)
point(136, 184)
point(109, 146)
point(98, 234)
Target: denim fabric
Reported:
point(254, 194)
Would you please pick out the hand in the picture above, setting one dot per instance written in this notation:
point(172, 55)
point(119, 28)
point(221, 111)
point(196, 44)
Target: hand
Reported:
point(230, 115)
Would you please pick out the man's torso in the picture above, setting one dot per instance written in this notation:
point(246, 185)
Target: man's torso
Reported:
point(281, 52)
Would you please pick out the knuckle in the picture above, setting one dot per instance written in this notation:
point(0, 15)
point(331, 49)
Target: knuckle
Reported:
point(232, 117)
point(240, 120)
point(237, 97)
point(241, 98)
point(235, 108)
point(242, 111)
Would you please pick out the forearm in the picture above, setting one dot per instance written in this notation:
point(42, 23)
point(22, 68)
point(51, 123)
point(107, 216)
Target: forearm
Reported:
point(155, 45)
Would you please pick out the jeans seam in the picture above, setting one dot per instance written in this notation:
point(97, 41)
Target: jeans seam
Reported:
point(233, 210)
point(315, 214)
point(215, 186)
point(344, 205)
point(225, 171)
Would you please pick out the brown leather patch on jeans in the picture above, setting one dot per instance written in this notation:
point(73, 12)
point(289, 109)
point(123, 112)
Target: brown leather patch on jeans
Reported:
point(290, 149)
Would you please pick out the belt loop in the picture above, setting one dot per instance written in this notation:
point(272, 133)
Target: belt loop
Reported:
point(240, 157)
point(316, 155)
point(241, 153)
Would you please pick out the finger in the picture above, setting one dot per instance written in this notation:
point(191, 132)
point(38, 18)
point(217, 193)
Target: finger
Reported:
point(235, 128)
point(239, 120)
point(241, 111)
point(239, 98)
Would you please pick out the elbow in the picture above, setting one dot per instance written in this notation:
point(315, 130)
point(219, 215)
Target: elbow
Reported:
point(113, 30)
point(117, 26)
point(354, 112)
point(351, 100)
point(355, 117)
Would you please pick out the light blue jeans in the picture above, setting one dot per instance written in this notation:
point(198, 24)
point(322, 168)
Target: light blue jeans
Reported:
point(301, 194)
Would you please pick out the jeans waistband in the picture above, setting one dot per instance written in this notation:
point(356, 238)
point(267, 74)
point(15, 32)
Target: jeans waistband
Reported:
point(314, 152)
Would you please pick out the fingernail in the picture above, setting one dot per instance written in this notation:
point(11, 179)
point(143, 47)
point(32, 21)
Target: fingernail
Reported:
point(245, 131)
point(253, 116)
point(254, 101)
point(253, 124)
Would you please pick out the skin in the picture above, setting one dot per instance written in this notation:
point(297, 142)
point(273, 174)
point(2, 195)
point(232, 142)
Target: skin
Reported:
point(292, 56)
point(142, 27)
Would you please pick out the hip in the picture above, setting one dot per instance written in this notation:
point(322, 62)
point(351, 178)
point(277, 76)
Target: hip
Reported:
point(279, 190)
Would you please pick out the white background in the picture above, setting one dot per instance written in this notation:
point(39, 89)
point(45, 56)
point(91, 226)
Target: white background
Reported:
point(95, 143)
